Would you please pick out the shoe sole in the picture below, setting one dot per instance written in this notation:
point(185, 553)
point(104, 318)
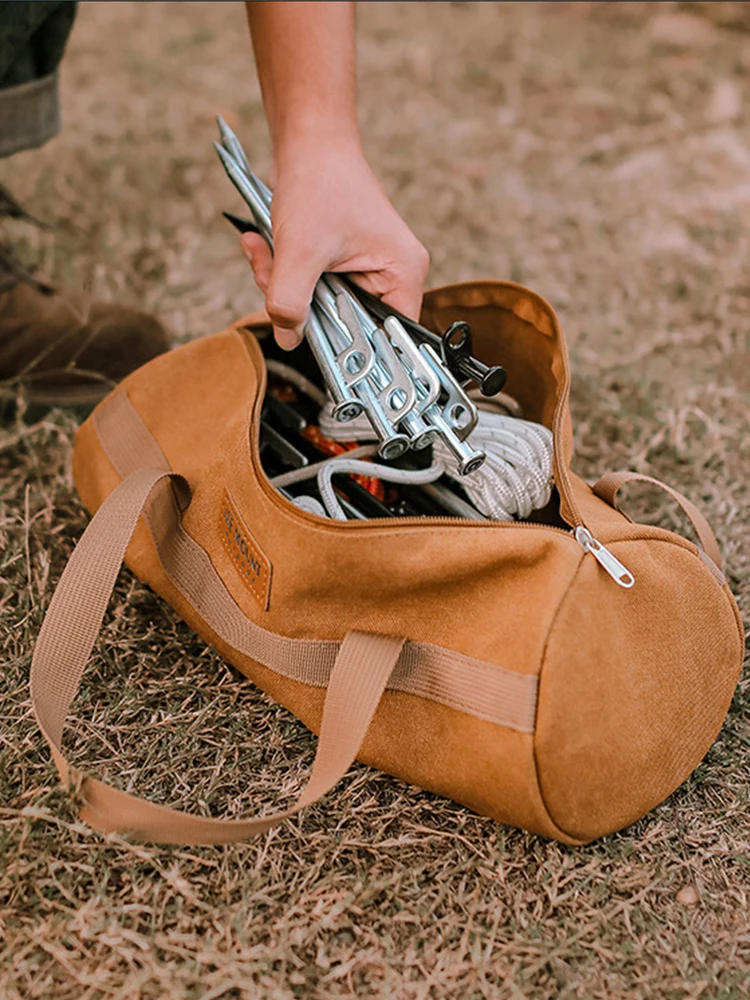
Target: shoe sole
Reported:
point(71, 396)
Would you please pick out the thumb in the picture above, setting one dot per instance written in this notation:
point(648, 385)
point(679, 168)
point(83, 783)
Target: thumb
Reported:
point(290, 290)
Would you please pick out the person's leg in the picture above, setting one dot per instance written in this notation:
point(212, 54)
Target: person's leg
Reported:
point(64, 349)
point(32, 42)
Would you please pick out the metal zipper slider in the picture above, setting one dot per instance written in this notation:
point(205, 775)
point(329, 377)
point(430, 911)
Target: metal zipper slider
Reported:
point(619, 573)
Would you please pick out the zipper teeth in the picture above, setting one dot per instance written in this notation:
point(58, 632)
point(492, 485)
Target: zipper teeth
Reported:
point(408, 522)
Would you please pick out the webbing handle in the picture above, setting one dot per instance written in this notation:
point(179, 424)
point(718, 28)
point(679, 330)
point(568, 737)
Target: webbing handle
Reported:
point(75, 614)
point(608, 486)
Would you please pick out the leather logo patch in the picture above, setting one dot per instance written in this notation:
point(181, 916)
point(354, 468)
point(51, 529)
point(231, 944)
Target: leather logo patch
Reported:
point(248, 557)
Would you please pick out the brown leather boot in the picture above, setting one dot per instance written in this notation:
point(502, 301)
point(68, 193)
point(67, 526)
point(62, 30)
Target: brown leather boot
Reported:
point(64, 350)
point(69, 350)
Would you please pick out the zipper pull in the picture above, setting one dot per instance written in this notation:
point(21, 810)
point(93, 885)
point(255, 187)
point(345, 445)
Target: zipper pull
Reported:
point(619, 573)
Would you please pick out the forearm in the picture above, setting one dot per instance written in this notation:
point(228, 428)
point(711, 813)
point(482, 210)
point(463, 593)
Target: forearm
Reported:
point(329, 212)
point(305, 55)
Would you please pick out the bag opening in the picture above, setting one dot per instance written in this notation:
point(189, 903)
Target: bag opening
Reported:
point(296, 433)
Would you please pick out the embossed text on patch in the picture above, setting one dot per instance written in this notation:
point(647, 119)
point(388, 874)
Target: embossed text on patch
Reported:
point(248, 557)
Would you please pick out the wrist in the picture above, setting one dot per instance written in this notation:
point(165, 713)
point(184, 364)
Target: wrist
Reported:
point(302, 140)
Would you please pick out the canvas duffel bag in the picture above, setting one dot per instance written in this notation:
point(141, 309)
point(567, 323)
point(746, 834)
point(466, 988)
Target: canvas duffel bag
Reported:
point(563, 678)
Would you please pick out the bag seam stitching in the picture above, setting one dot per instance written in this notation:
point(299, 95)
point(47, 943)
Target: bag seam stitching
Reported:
point(542, 661)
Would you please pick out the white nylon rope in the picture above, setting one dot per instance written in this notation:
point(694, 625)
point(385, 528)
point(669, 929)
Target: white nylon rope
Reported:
point(358, 466)
point(325, 471)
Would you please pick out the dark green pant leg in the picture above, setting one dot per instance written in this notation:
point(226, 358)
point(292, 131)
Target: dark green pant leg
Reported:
point(32, 41)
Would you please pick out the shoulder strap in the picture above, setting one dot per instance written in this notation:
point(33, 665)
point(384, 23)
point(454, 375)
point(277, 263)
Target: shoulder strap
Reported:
point(608, 486)
point(71, 625)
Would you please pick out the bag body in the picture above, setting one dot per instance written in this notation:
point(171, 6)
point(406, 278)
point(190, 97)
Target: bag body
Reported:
point(526, 683)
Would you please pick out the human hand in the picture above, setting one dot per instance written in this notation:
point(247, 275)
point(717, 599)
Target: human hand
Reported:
point(331, 214)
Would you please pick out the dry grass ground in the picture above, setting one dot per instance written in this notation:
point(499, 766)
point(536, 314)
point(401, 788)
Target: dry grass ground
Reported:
point(597, 152)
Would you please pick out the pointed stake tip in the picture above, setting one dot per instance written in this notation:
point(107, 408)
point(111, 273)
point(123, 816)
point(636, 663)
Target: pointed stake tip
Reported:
point(226, 158)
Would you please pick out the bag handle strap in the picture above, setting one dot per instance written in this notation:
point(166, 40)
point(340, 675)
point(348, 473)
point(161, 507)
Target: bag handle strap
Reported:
point(608, 486)
point(359, 677)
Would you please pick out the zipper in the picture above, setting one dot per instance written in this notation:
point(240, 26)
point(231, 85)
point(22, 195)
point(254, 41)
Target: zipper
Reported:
point(609, 563)
point(590, 545)
point(606, 559)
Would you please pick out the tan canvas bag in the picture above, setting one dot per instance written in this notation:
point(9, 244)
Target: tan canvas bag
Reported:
point(500, 664)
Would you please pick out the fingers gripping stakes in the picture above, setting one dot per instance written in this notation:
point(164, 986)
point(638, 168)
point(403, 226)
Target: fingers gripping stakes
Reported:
point(411, 398)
